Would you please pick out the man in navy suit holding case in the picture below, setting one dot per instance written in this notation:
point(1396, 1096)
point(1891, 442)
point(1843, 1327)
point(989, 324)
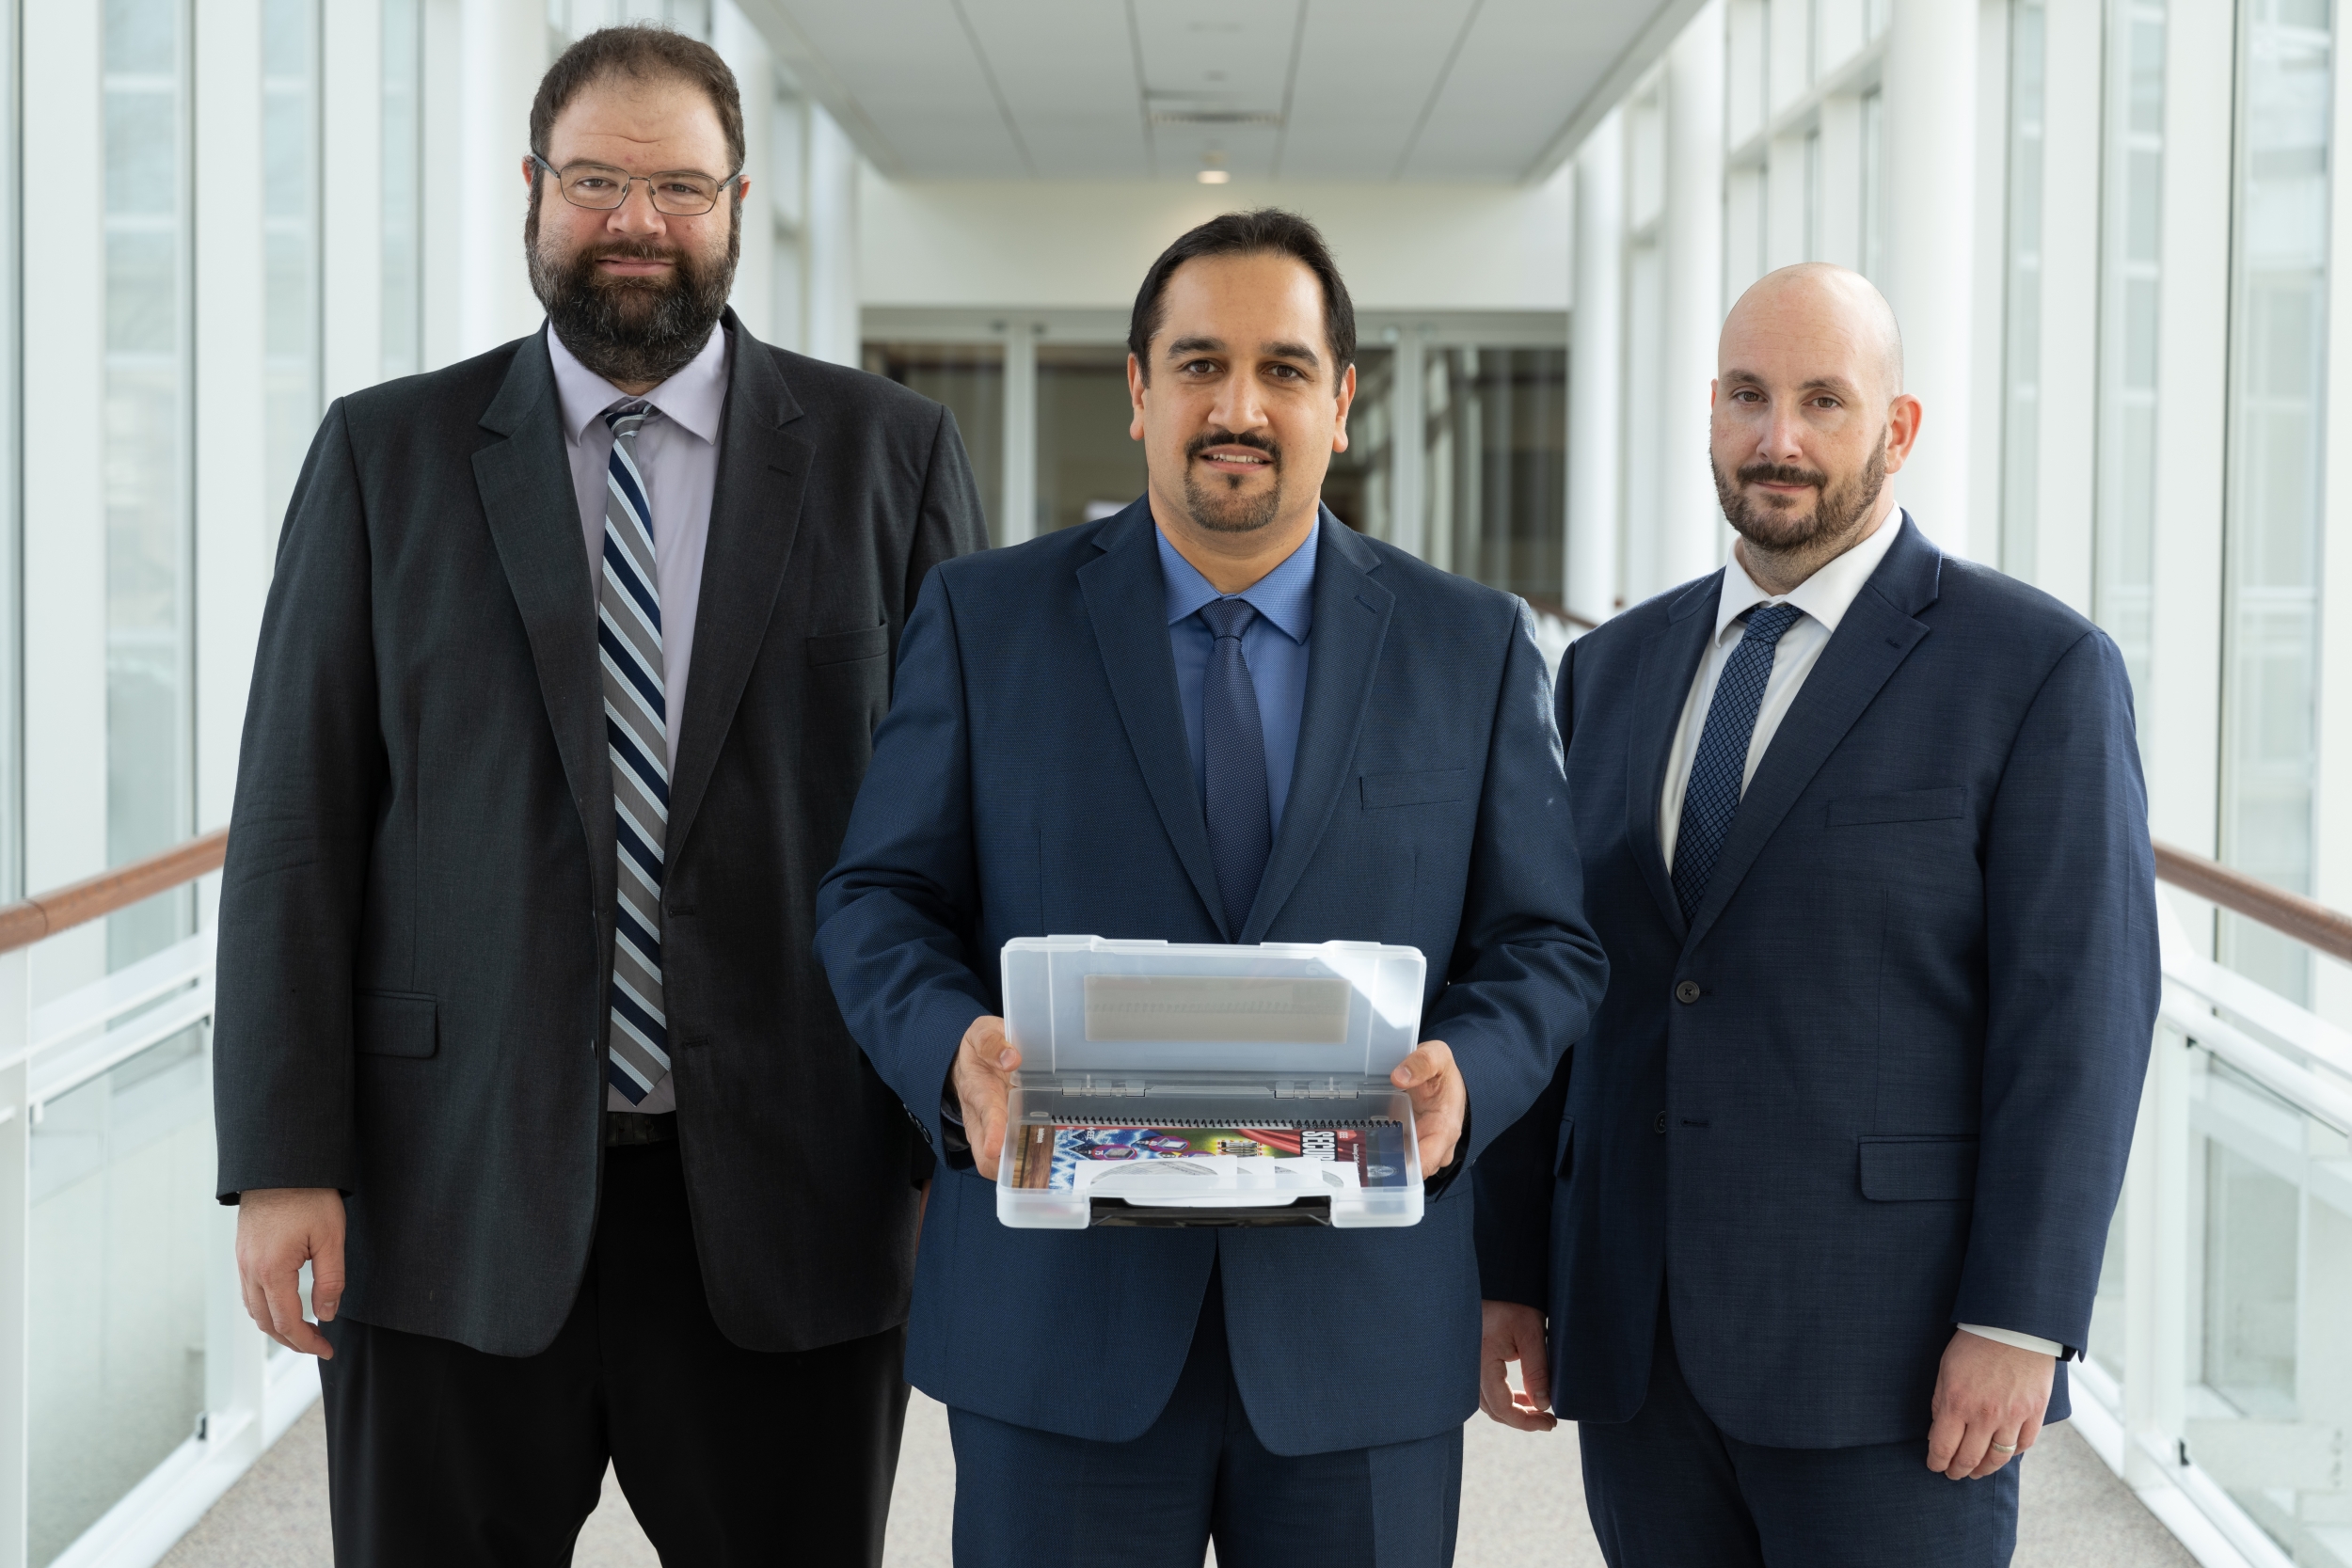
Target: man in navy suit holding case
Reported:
point(1818, 1205)
point(1217, 716)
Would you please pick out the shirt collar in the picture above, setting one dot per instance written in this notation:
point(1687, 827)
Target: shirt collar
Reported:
point(1285, 595)
point(693, 398)
point(1826, 595)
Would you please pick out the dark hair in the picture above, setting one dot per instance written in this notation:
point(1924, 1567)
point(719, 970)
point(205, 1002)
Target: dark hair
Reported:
point(1263, 232)
point(642, 51)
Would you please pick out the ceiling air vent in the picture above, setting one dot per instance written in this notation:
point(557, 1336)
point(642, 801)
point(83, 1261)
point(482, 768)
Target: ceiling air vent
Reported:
point(1215, 116)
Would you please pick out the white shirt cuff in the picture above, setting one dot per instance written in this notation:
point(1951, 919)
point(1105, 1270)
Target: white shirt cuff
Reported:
point(2011, 1337)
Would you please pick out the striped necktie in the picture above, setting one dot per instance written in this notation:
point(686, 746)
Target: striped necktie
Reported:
point(636, 724)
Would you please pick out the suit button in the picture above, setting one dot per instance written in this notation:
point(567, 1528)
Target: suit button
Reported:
point(1660, 1125)
point(1685, 993)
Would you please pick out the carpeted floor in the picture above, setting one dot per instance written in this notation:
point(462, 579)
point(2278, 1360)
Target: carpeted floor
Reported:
point(1523, 1507)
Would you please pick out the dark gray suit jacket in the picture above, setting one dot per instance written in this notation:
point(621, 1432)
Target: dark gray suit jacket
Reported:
point(416, 920)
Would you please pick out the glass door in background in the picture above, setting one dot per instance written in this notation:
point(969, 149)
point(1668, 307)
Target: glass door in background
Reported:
point(1087, 466)
point(969, 379)
point(1496, 433)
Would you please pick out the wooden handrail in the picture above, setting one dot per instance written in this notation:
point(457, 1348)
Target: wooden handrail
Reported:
point(2308, 921)
point(45, 914)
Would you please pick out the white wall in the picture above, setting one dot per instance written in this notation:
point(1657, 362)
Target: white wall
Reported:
point(1084, 244)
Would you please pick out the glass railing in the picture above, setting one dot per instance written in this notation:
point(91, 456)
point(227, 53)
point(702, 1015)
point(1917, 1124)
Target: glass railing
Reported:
point(145, 1391)
point(2219, 1382)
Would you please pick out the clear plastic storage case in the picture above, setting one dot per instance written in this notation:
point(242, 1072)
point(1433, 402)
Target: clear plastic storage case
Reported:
point(1170, 1085)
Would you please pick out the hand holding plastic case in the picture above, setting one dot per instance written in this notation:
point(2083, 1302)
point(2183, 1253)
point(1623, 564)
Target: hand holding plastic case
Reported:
point(1249, 1085)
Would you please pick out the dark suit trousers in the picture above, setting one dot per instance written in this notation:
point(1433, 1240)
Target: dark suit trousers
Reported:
point(1027, 1498)
point(1669, 1489)
point(441, 1454)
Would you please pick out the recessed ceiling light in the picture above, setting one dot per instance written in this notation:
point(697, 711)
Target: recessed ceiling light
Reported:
point(1214, 176)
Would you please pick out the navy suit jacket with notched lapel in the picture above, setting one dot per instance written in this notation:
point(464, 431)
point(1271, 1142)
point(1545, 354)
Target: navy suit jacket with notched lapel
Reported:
point(1900, 1094)
point(415, 921)
point(1034, 777)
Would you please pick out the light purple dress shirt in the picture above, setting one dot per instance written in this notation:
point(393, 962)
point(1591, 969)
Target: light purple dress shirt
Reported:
point(677, 452)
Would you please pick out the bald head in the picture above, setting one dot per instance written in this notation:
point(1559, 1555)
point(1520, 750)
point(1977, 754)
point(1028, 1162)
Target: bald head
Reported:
point(1831, 314)
point(1809, 419)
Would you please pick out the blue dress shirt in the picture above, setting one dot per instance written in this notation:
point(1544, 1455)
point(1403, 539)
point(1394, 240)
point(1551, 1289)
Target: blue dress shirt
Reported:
point(1275, 645)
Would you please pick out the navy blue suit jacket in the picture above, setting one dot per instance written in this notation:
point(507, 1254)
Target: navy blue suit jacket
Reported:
point(1884, 1082)
point(1033, 777)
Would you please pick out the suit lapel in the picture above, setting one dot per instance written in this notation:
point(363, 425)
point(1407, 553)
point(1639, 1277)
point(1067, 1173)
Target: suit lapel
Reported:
point(1351, 622)
point(526, 486)
point(1670, 662)
point(754, 517)
point(1127, 601)
point(1871, 642)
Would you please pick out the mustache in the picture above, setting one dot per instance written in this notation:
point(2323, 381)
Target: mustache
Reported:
point(1256, 442)
point(1782, 473)
point(628, 250)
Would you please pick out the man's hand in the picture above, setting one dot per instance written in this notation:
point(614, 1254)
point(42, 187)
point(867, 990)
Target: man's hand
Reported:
point(1509, 1332)
point(280, 1230)
point(983, 1077)
point(1988, 1406)
point(1440, 1100)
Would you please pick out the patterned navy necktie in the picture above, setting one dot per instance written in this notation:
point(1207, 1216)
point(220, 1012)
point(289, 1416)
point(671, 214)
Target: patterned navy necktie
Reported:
point(1233, 753)
point(637, 729)
point(1719, 771)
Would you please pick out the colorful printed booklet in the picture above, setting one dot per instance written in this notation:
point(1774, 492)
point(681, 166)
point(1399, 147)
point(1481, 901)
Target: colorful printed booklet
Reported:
point(1180, 1160)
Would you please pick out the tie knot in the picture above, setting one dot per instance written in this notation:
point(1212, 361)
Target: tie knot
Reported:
point(624, 418)
point(1228, 617)
point(1767, 624)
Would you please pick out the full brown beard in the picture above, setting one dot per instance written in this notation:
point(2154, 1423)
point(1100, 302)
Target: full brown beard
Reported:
point(1769, 525)
point(634, 330)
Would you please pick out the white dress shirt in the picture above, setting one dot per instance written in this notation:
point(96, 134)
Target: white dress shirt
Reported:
point(1825, 597)
point(677, 451)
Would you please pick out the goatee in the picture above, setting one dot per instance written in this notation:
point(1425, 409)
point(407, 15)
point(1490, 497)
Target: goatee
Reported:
point(1221, 510)
point(632, 330)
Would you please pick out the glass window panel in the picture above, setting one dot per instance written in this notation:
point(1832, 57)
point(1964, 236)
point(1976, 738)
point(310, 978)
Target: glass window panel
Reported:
point(969, 379)
point(1357, 487)
point(2020, 416)
point(2275, 522)
point(289, 156)
point(1873, 185)
point(2123, 590)
point(120, 1246)
point(402, 303)
point(1087, 467)
point(145, 465)
point(2106, 1308)
point(1496, 466)
point(2268, 1417)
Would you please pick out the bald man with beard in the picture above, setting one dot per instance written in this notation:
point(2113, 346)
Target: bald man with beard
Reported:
point(1816, 1208)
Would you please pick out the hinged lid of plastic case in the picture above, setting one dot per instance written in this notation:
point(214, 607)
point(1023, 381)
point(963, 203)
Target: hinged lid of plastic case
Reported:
point(1164, 1083)
point(1091, 1005)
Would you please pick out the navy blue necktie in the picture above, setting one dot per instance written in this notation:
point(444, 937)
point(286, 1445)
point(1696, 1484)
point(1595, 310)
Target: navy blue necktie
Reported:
point(1233, 753)
point(1712, 799)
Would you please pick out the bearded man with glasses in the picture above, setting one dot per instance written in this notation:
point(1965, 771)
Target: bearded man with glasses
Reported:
point(520, 1030)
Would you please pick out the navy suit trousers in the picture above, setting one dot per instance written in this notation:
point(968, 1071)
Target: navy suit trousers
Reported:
point(1025, 1497)
point(1669, 1489)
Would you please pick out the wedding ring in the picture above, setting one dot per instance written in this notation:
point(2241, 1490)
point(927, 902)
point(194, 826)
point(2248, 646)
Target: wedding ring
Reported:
point(2004, 1448)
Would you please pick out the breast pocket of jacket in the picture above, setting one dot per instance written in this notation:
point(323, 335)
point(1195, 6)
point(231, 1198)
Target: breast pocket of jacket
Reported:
point(1918, 1170)
point(1424, 787)
point(1901, 805)
point(395, 1023)
point(848, 647)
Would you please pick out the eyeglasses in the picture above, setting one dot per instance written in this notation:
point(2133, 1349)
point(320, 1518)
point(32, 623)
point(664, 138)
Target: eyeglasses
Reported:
point(600, 187)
